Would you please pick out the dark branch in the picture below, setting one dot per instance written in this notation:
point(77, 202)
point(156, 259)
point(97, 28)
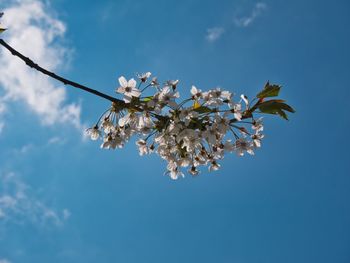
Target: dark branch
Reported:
point(31, 64)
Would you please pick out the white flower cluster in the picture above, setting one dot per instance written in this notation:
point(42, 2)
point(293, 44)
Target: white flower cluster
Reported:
point(198, 131)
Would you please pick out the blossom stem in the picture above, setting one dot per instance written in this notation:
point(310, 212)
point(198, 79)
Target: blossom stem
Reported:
point(103, 114)
point(150, 135)
point(182, 103)
point(145, 88)
point(241, 129)
point(234, 133)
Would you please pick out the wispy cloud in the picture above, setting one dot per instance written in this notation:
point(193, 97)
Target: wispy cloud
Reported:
point(55, 140)
point(214, 33)
point(245, 21)
point(66, 214)
point(4, 260)
point(2, 111)
point(33, 30)
point(2, 125)
point(18, 204)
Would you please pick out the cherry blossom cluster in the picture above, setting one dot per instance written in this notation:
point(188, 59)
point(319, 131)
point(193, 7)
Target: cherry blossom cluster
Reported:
point(195, 132)
point(198, 131)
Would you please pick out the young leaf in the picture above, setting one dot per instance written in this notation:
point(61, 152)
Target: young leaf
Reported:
point(282, 114)
point(277, 107)
point(196, 105)
point(202, 109)
point(269, 91)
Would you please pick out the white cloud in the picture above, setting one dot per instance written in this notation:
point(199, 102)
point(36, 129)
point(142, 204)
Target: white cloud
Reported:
point(214, 33)
point(66, 214)
point(2, 214)
point(258, 9)
point(55, 140)
point(24, 149)
point(2, 110)
point(4, 260)
point(2, 125)
point(33, 30)
point(18, 204)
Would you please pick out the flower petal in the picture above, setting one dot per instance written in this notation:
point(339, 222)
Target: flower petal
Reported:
point(245, 99)
point(124, 120)
point(123, 82)
point(121, 90)
point(126, 98)
point(135, 92)
point(194, 90)
point(132, 83)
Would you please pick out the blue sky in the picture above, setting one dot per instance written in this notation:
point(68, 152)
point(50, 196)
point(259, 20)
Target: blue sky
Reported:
point(63, 199)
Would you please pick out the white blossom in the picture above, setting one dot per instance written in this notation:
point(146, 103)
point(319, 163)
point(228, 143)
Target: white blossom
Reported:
point(94, 133)
point(128, 89)
point(172, 84)
point(214, 166)
point(222, 122)
point(109, 142)
point(242, 146)
point(257, 137)
point(107, 125)
point(196, 93)
point(210, 134)
point(144, 76)
point(193, 171)
point(258, 125)
point(228, 146)
point(167, 96)
point(143, 149)
point(155, 82)
point(130, 118)
point(245, 99)
point(216, 97)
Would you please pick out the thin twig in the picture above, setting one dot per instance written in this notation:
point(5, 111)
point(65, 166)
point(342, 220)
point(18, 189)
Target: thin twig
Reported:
point(31, 64)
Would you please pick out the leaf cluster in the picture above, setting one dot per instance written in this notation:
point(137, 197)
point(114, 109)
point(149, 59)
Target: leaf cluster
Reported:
point(272, 106)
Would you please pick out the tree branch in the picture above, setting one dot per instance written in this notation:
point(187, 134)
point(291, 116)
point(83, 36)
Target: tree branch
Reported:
point(31, 64)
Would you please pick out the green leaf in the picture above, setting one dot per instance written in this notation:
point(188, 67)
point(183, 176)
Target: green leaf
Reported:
point(269, 91)
point(282, 114)
point(275, 104)
point(147, 99)
point(202, 109)
point(277, 107)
